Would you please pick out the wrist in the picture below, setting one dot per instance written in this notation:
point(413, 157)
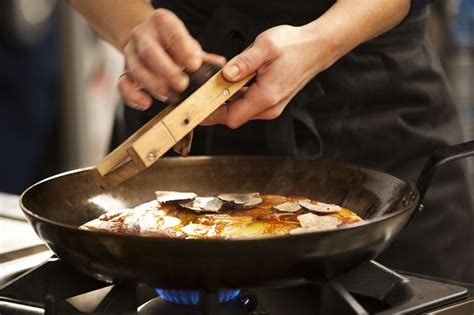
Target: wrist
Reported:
point(133, 20)
point(324, 50)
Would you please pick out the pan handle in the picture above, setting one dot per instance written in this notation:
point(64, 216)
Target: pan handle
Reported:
point(440, 157)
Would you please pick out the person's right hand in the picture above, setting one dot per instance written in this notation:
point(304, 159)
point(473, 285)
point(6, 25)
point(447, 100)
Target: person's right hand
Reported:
point(157, 55)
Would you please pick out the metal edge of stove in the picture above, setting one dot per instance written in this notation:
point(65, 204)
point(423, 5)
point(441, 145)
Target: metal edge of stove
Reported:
point(440, 294)
point(460, 303)
point(11, 269)
point(460, 308)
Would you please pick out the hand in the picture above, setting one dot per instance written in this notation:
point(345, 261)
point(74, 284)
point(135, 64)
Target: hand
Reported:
point(285, 59)
point(157, 55)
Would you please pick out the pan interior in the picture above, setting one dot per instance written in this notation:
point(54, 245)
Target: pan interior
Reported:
point(76, 198)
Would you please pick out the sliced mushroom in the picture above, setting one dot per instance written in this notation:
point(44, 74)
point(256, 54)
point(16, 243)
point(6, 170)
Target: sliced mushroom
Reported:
point(174, 196)
point(288, 207)
point(310, 220)
point(238, 198)
point(319, 206)
point(203, 204)
point(252, 203)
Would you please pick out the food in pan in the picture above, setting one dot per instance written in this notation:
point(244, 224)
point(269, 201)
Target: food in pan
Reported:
point(250, 215)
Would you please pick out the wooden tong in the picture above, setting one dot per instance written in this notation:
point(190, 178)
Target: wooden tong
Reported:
point(168, 127)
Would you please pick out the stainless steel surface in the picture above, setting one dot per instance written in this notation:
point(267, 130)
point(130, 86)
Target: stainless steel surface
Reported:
point(460, 308)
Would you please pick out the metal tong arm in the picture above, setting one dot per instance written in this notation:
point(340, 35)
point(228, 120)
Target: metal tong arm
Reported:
point(162, 132)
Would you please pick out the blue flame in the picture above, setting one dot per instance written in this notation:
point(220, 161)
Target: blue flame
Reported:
point(193, 297)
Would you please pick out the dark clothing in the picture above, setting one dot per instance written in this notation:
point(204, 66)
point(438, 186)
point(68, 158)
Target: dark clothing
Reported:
point(385, 104)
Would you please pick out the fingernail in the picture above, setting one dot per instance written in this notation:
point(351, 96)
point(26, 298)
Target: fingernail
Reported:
point(232, 72)
point(194, 62)
point(134, 106)
point(160, 97)
point(180, 82)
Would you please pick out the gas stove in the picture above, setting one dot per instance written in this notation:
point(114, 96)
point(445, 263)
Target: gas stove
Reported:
point(53, 287)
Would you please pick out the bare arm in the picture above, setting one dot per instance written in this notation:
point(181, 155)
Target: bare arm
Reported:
point(157, 47)
point(114, 20)
point(349, 23)
point(155, 43)
point(287, 57)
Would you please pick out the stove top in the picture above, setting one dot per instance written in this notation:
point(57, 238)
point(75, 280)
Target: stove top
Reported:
point(54, 287)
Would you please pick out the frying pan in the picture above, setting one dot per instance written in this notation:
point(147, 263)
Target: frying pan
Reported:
point(56, 206)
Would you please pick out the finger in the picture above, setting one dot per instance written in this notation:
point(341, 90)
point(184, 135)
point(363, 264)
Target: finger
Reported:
point(132, 95)
point(272, 112)
point(259, 97)
point(246, 63)
point(217, 117)
point(214, 59)
point(152, 56)
point(177, 41)
point(220, 114)
point(138, 72)
point(239, 94)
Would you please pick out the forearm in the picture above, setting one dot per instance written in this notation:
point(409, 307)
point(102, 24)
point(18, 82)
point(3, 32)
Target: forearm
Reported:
point(348, 23)
point(113, 19)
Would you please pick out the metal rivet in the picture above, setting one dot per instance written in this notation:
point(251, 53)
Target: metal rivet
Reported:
point(226, 92)
point(151, 156)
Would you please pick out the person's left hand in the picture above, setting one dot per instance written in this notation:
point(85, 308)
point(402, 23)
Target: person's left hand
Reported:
point(285, 59)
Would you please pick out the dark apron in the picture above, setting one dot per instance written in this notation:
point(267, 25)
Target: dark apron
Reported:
point(386, 105)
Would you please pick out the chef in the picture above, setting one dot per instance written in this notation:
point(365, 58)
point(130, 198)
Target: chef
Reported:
point(348, 80)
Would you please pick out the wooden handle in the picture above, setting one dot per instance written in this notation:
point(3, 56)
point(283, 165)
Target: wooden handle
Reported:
point(163, 131)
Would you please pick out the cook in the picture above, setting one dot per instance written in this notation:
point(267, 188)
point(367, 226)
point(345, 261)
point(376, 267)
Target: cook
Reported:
point(347, 80)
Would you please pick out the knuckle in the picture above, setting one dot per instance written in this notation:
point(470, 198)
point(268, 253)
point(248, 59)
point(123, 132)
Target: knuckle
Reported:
point(160, 15)
point(146, 52)
point(136, 33)
point(246, 62)
point(270, 99)
point(233, 124)
point(272, 113)
point(134, 71)
point(174, 37)
point(269, 43)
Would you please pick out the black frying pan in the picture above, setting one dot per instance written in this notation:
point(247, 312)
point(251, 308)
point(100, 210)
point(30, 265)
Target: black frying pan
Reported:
point(58, 205)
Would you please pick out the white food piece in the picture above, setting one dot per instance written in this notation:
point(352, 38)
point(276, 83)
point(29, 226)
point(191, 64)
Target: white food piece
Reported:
point(151, 205)
point(320, 207)
point(169, 222)
point(195, 229)
point(287, 207)
point(310, 220)
point(173, 196)
point(153, 220)
point(238, 198)
point(252, 202)
point(203, 204)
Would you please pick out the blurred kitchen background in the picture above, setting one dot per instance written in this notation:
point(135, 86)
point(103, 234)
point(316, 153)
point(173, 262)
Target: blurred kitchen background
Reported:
point(57, 85)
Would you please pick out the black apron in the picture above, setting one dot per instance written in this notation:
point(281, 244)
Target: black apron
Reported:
point(386, 105)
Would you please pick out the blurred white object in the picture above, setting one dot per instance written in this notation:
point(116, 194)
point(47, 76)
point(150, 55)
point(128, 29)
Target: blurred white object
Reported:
point(89, 71)
point(31, 19)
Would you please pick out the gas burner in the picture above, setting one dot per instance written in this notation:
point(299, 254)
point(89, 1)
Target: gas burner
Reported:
point(239, 305)
point(55, 288)
point(193, 297)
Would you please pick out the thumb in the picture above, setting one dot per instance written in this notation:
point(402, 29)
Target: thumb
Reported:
point(245, 63)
